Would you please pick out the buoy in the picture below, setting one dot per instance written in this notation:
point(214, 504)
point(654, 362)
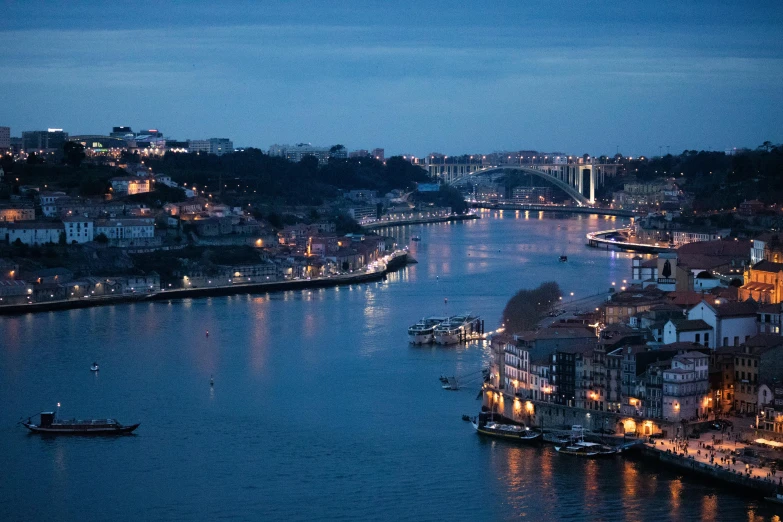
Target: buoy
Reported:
point(207, 333)
point(211, 381)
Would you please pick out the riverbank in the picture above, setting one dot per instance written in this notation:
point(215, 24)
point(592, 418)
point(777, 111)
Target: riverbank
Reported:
point(397, 261)
point(556, 208)
point(595, 240)
point(728, 472)
point(419, 221)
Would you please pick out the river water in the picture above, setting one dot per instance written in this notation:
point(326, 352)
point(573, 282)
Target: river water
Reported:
point(320, 409)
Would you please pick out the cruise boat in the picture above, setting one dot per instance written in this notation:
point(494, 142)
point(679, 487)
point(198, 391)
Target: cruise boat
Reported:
point(49, 423)
point(423, 331)
point(456, 329)
point(511, 432)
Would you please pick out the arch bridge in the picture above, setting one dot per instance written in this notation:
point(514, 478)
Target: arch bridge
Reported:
point(573, 179)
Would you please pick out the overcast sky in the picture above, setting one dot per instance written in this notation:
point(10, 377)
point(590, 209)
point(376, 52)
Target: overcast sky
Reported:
point(410, 76)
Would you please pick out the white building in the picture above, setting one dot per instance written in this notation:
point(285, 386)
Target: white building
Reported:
point(130, 185)
point(688, 331)
point(127, 228)
point(48, 202)
point(217, 146)
point(78, 229)
point(686, 387)
point(198, 146)
point(34, 233)
point(539, 385)
point(732, 323)
point(516, 369)
point(683, 237)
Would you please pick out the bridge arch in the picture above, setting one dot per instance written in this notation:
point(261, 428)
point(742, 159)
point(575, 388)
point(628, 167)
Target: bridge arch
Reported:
point(577, 196)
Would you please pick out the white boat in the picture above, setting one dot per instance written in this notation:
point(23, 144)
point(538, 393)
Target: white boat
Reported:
point(579, 448)
point(423, 331)
point(456, 329)
point(94, 367)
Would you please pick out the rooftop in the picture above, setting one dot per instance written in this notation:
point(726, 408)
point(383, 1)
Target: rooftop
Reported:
point(768, 266)
point(690, 325)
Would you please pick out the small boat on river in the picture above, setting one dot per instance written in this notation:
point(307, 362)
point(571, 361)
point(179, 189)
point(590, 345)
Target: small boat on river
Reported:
point(49, 423)
point(563, 259)
point(94, 367)
point(511, 432)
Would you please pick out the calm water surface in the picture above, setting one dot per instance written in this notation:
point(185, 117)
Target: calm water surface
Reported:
point(320, 408)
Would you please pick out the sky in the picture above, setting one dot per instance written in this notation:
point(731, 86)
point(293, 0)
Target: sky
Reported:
point(413, 77)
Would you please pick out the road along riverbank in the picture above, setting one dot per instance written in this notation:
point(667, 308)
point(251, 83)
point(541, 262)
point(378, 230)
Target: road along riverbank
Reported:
point(418, 221)
point(396, 261)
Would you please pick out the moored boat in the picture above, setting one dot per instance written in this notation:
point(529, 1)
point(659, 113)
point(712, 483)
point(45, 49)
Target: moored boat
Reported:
point(423, 331)
point(511, 432)
point(563, 259)
point(579, 448)
point(587, 449)
point(49, 423)
point(94, 367)
point(456, 329)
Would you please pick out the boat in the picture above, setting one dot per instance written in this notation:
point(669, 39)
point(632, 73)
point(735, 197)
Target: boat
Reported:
point(94, 367)
point(49, 423)
point(777, 499)
point(563, 259)
point(415, 238)
point(587, 449)
point(451, 384)
point(579, 448)
point(423, 331)
point(456, 329)
point(512, 432)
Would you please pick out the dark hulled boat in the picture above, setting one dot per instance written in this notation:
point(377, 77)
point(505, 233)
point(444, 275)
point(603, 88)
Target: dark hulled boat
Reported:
point(511, 432)
point(51, 424)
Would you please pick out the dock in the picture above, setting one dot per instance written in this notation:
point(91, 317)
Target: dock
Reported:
point(753, 480)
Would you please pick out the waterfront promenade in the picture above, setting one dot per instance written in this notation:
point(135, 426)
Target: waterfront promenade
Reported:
point(716, 458)
point(391, 262)
point(388, 222)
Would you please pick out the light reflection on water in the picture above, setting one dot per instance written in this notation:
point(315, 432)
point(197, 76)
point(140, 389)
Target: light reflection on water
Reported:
point(320, 409)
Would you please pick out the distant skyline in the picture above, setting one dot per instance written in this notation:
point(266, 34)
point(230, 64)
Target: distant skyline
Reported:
point(411, 77)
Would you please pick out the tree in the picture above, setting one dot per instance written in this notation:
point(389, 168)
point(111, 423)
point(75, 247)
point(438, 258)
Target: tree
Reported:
point(73, 153)
point(524, 310)
point(336, 148)
point(33, 159)
point(101, 238)
point(62, 239)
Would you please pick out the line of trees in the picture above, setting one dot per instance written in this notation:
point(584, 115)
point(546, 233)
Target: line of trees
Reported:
point(525, 309)
point(277, 179)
